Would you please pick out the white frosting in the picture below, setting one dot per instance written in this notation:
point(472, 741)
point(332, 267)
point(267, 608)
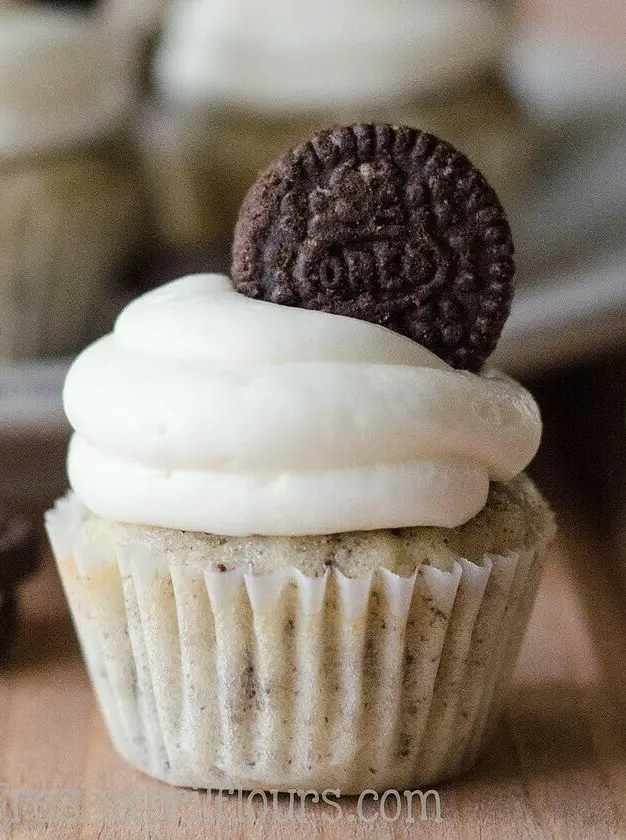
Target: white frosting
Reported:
point(293, 54)
point(65, 78)
point(206, 410)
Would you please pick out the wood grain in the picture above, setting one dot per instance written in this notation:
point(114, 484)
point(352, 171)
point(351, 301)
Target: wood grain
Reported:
point(556, 767)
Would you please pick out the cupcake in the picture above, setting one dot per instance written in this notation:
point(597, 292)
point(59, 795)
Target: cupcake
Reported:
point(69, 206)
point(238, 82)
point(299, 549)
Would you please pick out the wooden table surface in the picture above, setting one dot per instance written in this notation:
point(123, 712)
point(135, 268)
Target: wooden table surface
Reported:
point(556, 767)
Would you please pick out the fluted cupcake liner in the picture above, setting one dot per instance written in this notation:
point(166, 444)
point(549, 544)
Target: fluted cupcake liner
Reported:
point(65, 226)
point(216, 679)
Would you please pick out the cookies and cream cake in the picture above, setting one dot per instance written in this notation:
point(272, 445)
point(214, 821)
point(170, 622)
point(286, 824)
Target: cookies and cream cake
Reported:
point(300, 549)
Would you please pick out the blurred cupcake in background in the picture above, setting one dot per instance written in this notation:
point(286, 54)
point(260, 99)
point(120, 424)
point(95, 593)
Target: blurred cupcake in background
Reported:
point(69, 199)
point(238, 81)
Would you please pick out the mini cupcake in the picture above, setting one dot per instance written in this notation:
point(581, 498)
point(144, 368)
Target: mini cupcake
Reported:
point(237, 82)
point(69, 206)
point(300, 550)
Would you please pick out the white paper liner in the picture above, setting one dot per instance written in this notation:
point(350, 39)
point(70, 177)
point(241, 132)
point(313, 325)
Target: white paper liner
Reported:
point(280, 681)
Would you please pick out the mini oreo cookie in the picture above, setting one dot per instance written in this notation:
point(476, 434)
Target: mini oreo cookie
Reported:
point(387, 224)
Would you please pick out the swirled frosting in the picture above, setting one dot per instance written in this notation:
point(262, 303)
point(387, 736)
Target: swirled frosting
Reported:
point(206, 410)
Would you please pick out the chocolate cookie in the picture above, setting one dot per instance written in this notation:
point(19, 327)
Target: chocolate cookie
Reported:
point(387, 224)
